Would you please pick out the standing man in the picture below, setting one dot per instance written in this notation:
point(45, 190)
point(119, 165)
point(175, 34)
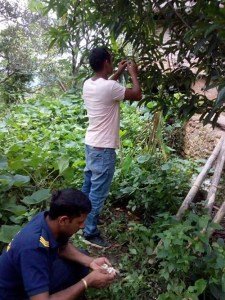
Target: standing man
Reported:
point(102, 98)
point(41, 264)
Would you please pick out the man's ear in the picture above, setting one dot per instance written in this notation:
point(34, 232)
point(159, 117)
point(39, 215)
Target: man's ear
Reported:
point(107, 62)
point(63, 220)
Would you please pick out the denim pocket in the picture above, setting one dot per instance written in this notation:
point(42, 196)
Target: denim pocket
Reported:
point(109, 160)
point(96, 162)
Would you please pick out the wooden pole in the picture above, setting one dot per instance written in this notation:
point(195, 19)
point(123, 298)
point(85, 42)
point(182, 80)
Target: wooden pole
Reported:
point(190, 196)
point(61, 85)
point(217, 219)
point(216, 178)
point(220, 214)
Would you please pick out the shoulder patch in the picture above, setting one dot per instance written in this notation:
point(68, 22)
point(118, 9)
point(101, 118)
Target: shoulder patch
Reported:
point(43, 242)
point(8, 247)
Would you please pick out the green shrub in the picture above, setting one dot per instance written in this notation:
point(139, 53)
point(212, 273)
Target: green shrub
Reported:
point(151, 184)
point(187, 265)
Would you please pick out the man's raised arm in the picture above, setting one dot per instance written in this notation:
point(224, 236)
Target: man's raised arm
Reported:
point(122, 66)
point(133, 93)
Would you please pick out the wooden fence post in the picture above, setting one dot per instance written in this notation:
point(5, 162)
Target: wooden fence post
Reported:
point(215, 179)
point(190, 196)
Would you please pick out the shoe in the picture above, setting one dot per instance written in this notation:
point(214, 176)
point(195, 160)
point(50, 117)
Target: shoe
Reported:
point(97, 241)
point(100, 222)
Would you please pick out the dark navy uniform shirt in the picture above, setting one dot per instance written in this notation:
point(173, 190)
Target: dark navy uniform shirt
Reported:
point(25, 266)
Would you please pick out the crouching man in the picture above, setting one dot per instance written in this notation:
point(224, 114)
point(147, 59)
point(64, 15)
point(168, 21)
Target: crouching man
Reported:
point(40, 263)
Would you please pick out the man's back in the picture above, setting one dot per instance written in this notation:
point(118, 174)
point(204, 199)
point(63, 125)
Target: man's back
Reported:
point(28, 250)
point(101, 98)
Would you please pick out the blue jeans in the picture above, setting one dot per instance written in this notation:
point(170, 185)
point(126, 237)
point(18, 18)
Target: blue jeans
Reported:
point(98, 175)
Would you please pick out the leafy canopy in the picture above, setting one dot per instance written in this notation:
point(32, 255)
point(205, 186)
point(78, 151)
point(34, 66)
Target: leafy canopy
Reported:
point(175, 42)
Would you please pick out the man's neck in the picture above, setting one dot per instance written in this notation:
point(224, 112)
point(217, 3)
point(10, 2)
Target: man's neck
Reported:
point(101, 74)
point(53, 227)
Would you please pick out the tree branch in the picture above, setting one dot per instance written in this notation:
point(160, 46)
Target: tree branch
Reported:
point(5, 79)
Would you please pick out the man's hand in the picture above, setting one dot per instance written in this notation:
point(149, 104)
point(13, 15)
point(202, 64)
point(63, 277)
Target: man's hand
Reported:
point(98, 262)
point(122, 66)
point(99, 278)
point(132, 68)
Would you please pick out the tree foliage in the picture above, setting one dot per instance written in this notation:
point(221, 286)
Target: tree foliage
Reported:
point(26, 65)
point(16, 64)
point(175, 42)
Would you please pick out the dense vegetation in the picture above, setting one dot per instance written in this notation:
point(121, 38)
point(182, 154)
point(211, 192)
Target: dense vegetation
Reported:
point(43, 122)
point(42, 149)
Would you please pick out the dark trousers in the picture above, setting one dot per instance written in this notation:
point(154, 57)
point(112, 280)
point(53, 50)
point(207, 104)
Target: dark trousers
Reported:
point(65, 273)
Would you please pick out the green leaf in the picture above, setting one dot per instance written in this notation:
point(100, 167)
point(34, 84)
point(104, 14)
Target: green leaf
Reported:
point(15, 209)
point(7, 232)
point(35, 5)
point(63, 164)
point(143, 158)
point(127, 163)
point(165, 167)
point(128, 190)
point(203, 221)
point(37, 197)
point(3, 127)
point(200, 285)
point(20, 180)
point(3, 163)
point(133, 251)
point(211, 29)
point(223, 282)
point(6, 180)
point(52, 43)
point(149, 250)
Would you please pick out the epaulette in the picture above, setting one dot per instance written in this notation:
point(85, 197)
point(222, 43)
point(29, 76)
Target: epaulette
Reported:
point(43, 240)
point(8, 247)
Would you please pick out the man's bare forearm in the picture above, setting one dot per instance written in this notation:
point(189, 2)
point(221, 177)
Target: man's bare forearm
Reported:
point(133, 93)
point(136, 85)
point(115, 76)
point(71, 293)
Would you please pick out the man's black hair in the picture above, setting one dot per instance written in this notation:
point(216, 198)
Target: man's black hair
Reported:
point(97, 58)
point(69, 202)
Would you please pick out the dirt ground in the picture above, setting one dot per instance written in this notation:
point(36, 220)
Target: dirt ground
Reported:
point(199, 140)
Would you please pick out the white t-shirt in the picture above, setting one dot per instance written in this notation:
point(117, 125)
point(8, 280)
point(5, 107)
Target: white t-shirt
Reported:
point(101, 99)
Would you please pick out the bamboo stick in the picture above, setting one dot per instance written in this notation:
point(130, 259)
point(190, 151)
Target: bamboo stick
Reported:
point(220, 214)
point(190, 196)
point(216, 179)
point(61, 85)
point(217, 219)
